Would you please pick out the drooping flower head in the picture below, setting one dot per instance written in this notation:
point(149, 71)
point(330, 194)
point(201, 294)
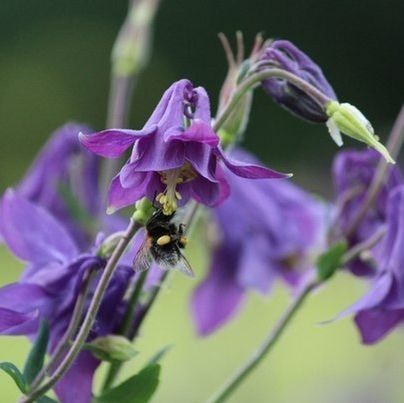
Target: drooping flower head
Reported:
point(285, 55)
point(382, 308)
point(50, 285)
point(266, 230)
point(176, 155)
point(353, 171)
point(64, 170)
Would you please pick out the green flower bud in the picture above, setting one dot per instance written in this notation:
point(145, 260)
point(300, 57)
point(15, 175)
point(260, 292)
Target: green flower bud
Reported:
point(144, 210)
point(111, 348)
point(349, 120)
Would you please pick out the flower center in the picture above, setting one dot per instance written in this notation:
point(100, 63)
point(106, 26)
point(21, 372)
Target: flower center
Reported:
point(171, 178)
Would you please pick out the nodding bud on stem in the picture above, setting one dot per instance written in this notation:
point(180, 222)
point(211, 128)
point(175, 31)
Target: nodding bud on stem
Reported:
point(349, 120)
point(234, 127)
point(284, 55)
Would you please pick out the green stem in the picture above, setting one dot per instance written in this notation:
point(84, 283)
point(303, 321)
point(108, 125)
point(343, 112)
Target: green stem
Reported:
point(115, 367)
point(129, 57)
point(89, 319)
point(242, 373)
point(255, 79)
point(270, 341)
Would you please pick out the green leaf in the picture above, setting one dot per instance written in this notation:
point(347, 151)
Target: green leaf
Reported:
point(37, 354)
point(15, 373)
point(159, 355)
point(330, 260)
point(46, 399)
point(137, 389)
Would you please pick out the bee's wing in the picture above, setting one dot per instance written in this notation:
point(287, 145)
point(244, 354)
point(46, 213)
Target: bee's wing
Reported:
point(179, 262)
point(184, 266)
point(143, 259)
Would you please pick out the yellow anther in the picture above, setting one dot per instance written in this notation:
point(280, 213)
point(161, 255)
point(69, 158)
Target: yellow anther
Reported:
point(163, 240)
point(178, 195)
point(180, 180)
point(183, 240)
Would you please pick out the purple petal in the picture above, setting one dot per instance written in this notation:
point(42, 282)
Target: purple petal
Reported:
point(170, 110)
point(209, 193)
point(247, 170)
point(393, 243)
point(11, 321)
point(20, 308)
point(112, 143)
point(154, 154)
point(218, 298)
point(76, 384)
point(202, 110)
point(374, 324)
point(119, 196)
point(202, 159)
point(32, 233)
point(199, 132)
point(373, 298)
point(255, 269)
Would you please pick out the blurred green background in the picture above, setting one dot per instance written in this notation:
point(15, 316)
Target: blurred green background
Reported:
point(54, 67)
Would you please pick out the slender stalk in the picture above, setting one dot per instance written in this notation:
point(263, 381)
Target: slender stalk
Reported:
point(126, 327)
point(394, 144)
point(129, 57)
point(366, 245)
point(131, 327)
point(256, 78)
point(269, 342)
point(70, 332)
point(89, 318)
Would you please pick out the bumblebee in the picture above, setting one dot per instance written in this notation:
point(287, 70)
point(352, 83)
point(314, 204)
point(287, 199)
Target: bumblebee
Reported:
point(163, 243)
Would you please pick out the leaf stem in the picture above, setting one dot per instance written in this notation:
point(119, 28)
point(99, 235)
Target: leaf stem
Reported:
point(89, 318)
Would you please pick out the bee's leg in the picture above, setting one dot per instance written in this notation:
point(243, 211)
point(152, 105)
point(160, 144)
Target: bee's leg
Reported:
point(181, 229)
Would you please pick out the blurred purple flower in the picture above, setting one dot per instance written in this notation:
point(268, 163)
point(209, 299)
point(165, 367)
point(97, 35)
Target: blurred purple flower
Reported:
point(50, 285)
point(267, 230)
point(284, 55)
point(64, 166)
point(353, 172)
point(382, 308)
point(175, 155)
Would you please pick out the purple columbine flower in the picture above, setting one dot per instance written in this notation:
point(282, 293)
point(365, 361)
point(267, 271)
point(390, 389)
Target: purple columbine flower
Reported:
point(382, 308)
point(176, 155)
point(285, 55)
point(353, 171)
point(274, 235)
point(64, 169)
point(50, 285)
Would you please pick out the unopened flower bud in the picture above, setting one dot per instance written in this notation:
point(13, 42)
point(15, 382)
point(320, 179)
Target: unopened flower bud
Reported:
point(143, 211)
point(111, 348)
point(349, 120)
point(286, 56)
point(131, 51)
